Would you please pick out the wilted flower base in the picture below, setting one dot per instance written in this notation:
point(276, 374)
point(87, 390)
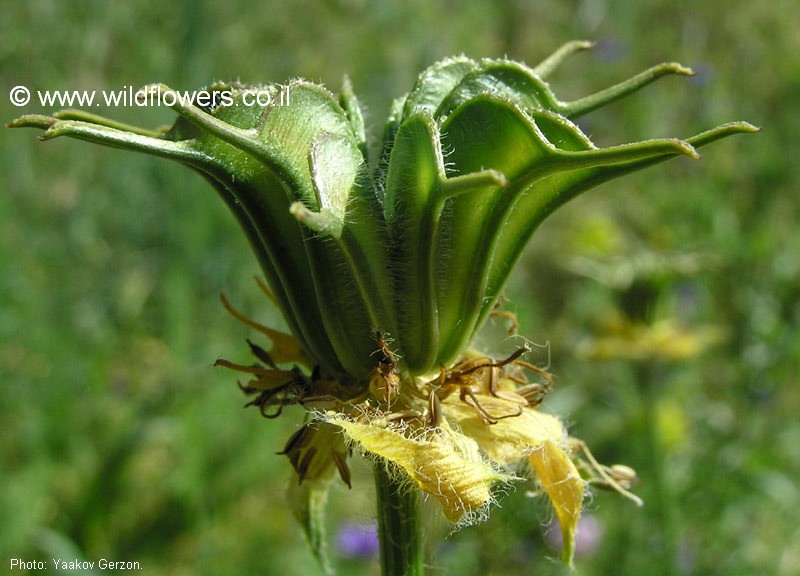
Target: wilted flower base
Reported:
point(456, 437)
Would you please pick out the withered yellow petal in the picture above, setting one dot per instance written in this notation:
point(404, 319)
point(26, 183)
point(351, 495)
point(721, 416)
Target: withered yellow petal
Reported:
point(442, 463)
point(509, 440)
point(563, 484)
point(285, 347)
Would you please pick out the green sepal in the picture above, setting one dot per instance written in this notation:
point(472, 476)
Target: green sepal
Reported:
point(312, 150)
point(522, 86)
point(281, 138)
point(308, 502)
point(511, 81)
point(431, 86)
point(417, 188)
point(546, 195)
point(387, 142)
point(349, 103)
point(512, 143)
point(335, 163)
point(434, 84)
point(231, 146)
point(411, 208)
point(550, 64)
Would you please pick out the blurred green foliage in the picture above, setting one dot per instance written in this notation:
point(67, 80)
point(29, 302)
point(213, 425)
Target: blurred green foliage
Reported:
point(119, 439)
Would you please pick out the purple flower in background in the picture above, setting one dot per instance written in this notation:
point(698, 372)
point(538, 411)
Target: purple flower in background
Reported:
point(588, 537)
point(356, 540)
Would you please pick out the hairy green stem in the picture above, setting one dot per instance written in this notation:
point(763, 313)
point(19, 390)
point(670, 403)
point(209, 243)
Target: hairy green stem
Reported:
point(398, 526)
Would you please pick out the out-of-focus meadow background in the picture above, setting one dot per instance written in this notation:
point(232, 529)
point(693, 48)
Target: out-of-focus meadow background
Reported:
point(119, 439)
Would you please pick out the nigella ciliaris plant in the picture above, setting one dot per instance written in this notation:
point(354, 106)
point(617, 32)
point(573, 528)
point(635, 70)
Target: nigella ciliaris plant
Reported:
point(385, 269)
